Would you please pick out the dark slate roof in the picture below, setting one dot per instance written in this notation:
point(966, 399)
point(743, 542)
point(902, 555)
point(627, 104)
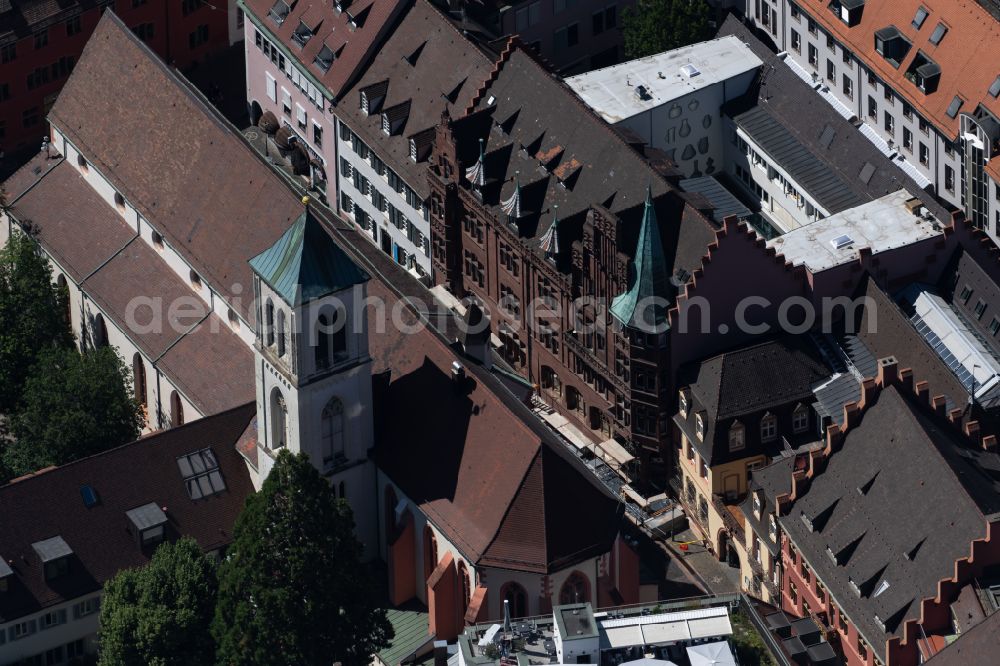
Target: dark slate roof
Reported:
point(427, 62)
point(774, 479)
point(722, 203)
point(537, 131)
point(885, 330)
point(975, 647)
point(747, 381)
point(898, 504)
point(484, 472)
point(787, 152)
point(305, 264)
point(160, 153)
point(805, 116)
point(49, 504)
point(650, 279)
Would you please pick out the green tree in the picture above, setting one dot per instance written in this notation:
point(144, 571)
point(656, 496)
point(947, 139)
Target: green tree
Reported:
point(74, 405)
point(32, 315)
point(654, 26)
point(292, 589)
point(159, 615)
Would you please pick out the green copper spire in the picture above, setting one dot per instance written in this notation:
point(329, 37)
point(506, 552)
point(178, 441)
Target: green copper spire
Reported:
point(651, 278)
point(305, 264)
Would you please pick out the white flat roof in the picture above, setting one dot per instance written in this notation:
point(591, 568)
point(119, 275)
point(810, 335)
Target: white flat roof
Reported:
point(612, 91)
point(883, 224)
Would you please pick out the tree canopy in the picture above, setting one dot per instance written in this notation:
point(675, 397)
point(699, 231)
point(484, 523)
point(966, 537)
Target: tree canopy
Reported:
point(292, 589)
point(73, 405)
point(159, 615)
point(654, 26)
point(32, 315)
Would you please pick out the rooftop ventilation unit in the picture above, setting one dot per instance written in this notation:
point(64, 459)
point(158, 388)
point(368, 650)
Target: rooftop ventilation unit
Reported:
point(690, 71)
point(642, 92)
point(840, 242)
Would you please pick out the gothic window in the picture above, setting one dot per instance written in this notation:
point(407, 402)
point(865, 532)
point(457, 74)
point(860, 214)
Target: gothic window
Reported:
point(100, 332)
point(332, 431)
point(281, 332)
point(279, 420)
point(430, 552)
point(176, 410)
point(516, 597)
point(139, 379)
point(576, 589)
point(466, 586)
point(269, 322)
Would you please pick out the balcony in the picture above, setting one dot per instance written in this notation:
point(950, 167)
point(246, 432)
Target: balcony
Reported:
point(732, 524)
point(762, 577)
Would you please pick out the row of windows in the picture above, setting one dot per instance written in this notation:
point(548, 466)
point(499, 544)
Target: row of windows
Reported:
point(8, 52)
point(361, 149)
point(296, 76)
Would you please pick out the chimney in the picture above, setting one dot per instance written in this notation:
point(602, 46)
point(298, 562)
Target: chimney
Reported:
point(457, 375)
point(887, 371)
point(440, 653)
point(475, 336)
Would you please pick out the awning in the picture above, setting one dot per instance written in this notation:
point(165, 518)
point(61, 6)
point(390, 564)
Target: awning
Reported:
point(268, 122)
point(609, 448)
point(281, 138)
point(621, 637)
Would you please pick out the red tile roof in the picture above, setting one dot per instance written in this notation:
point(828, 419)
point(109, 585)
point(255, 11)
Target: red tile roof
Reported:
point(504, 492)
point(967, 68)
point(210, 365)
point(353, 46)
point(159, 152)
point(49, 504)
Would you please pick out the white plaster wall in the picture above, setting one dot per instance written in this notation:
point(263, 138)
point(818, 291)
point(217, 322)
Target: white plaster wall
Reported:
point(43, 640)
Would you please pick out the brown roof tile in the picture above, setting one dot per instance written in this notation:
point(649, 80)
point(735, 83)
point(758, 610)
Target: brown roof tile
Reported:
point(444, 74)
point(50, 504)
point(965, 70)
point(43, 191)
point(160, 152)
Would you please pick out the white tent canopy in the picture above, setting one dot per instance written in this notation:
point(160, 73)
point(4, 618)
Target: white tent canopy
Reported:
point(711, 654)
point(649, 662)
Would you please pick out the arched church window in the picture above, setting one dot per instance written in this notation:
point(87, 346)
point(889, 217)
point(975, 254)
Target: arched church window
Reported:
point(516, 597)
point(139, 378)
point(176, 410)
point(466, 586)
point(576, 589)
point(279, 420)
point(281, 332)
point(100, 332)
point(430, 552)
point(322, 349)
point(269, 322)
point(332, 431)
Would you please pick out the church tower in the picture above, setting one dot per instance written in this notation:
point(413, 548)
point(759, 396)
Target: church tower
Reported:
point(313, 370)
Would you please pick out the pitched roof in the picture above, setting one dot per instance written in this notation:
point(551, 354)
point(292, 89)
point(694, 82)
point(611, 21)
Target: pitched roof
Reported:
point(494, 482)
point(964, 71)
point(159, 153)
point(897, 505)
point(305, 264)
point(650, 278)
point(50, 504)
point(840, 152)
point(975, 647)
point(352, 34)
point(199, 353)
point(744, 382)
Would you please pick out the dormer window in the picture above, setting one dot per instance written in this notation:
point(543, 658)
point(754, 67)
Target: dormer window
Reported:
point(758, 505)
point(413, 150)
point(364, 103)
point(737, 437)
point(892, 45)
point(325, 57)
point(924, 73)
point(386, 127)
point(279, 12)
point(768, 428)
point(147, 523)
point(54, 554)
point(772, 527)
point(800, 419)
point(699, 427)
point(848, 11)
point(682, 401)
point(5, 573)
point(302, 34)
